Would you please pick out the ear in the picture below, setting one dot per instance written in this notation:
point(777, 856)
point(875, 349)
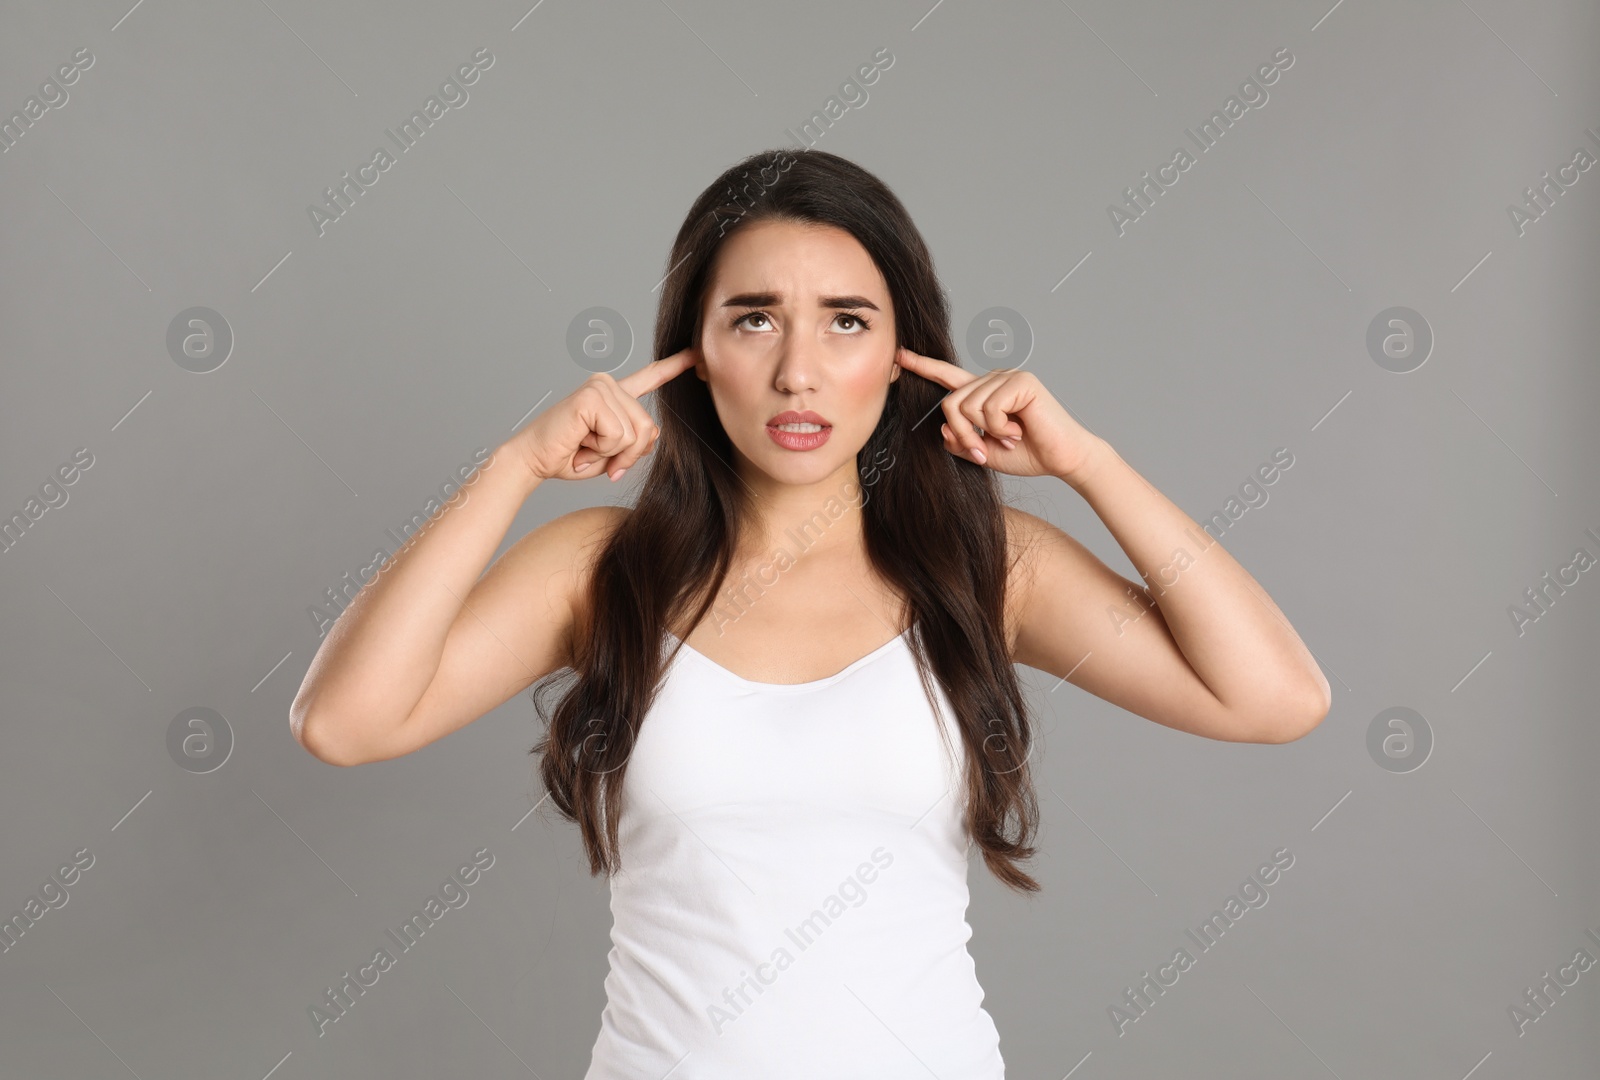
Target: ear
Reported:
point(894, 365)
point(700, 365)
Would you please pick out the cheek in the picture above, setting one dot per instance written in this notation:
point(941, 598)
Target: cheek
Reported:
point(866, 390)
point(734, 388)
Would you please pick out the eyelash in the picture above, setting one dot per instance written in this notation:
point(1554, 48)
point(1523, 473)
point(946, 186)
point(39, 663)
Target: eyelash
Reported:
point(865, 325)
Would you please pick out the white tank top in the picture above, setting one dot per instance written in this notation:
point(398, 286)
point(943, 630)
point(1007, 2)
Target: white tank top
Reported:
point(793, 893)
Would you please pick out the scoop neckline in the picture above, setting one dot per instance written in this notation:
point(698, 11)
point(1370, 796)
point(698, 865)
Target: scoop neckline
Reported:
point(813, 684)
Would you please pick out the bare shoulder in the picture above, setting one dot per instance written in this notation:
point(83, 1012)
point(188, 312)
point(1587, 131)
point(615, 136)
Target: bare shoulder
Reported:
point(586, 530)
point(515, 627)
point(571, 538)
point(1023, 527)
point(1023, 533)
point(579, 535)
point(1032, 543)
point(588, 533)
point(557, 560)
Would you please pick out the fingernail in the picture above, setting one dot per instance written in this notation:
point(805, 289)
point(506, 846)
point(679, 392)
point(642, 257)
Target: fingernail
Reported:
point(1008, 444)
point(580, 468)
point(977, 456)
point(618, 474)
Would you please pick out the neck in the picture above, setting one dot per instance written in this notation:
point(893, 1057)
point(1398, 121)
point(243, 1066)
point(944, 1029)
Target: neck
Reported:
point(806, 519)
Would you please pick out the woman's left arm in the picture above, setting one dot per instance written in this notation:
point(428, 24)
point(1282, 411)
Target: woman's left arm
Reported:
point(1202, 648)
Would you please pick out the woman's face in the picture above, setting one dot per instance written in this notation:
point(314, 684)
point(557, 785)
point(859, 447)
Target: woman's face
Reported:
point(797, 318)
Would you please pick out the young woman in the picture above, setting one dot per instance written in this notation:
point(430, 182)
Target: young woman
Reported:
point(793, 709)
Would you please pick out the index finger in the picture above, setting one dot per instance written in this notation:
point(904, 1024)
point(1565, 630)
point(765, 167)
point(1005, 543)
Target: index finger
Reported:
point(947, 375)
point(658, 372)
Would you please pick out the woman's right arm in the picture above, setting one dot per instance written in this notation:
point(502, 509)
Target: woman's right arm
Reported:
point(428, 645)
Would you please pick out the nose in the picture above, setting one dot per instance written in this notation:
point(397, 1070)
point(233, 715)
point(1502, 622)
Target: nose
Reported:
point(797, 366)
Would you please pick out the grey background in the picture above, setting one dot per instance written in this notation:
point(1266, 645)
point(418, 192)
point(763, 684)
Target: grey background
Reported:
point(370, 362)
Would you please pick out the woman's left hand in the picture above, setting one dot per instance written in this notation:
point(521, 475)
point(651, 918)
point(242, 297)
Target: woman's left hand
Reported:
point(1006, 419)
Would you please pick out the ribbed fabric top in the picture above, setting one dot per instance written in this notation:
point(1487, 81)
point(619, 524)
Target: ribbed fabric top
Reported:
point(793, 894)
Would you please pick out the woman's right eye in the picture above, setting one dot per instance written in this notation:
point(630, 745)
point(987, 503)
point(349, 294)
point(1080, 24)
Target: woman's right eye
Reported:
point(752, 315)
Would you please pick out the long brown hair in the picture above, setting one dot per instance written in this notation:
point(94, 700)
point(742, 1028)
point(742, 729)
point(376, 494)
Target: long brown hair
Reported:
point(933, 525)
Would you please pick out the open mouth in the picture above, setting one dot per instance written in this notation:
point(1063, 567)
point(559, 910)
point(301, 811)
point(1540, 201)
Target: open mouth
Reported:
point(799, 431)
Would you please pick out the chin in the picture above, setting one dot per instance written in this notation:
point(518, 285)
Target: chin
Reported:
point(792, 467)
point(788, 471)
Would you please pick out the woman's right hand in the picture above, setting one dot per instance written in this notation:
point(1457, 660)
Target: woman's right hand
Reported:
point(600, 426)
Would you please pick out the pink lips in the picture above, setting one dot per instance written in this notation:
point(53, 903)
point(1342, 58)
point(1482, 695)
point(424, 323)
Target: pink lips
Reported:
point(799, 440)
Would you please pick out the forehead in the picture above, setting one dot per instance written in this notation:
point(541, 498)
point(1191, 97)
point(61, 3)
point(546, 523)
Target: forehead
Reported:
point(801, 261)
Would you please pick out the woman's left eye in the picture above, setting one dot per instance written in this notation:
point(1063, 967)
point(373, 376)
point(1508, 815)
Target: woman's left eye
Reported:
point(856, 319)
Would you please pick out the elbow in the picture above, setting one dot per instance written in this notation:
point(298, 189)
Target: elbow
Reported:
point(1292, 724)
point(1287, 718)
point(1288, 732)
point(313, 735)
point(1321, 703)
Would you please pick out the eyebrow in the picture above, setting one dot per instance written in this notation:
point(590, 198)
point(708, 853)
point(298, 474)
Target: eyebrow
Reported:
point(772, 299)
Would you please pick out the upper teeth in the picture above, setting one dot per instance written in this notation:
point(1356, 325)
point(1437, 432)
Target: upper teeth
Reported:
point(799, 427)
